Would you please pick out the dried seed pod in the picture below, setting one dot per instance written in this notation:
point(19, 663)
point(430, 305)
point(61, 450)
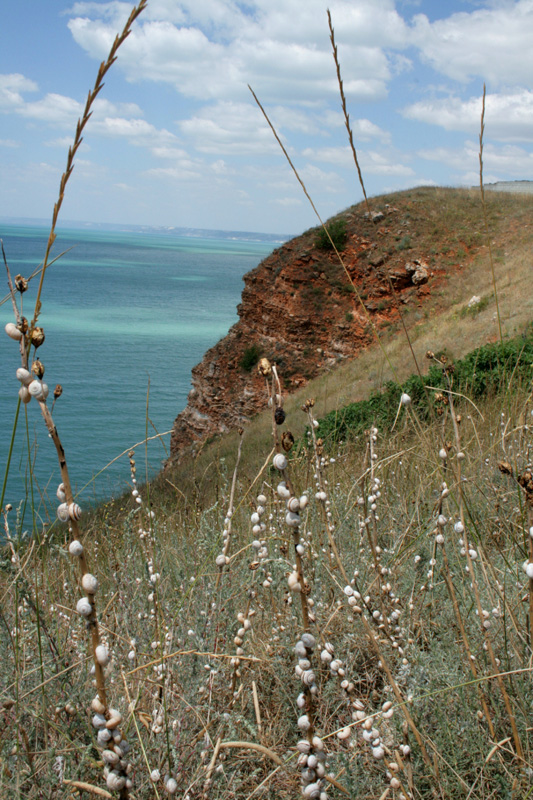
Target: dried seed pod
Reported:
point(37, 337)
point(58, 391)
point(23, 325)
point(13, 332)
point(279, 416)
point(38, 368)
point(287, 440)
point(264, 367)
point(21, 284)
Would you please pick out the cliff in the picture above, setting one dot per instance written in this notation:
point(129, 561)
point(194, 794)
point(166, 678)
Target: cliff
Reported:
point(300, 311)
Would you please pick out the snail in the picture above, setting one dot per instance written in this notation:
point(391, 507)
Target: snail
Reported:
point(89, 583)
point(13, 332)
point(24, 395)
point(62, 512)
point(279, 461)
point(75, 548)
point(24, 376)
point(102, 656)
point(74, 511)
point(83, 607)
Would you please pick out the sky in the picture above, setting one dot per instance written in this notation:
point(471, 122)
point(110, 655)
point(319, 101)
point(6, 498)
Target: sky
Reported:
point(176, 138)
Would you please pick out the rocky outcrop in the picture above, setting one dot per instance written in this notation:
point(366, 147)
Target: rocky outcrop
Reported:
point(301, 308)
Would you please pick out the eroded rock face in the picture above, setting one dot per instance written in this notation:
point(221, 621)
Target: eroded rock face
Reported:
point(300, 310)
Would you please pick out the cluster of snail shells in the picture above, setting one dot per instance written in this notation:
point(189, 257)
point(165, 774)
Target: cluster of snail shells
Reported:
point(31, 387)
point(311, 757)
point(66, 511)
point(117, 768)
point(245, 627)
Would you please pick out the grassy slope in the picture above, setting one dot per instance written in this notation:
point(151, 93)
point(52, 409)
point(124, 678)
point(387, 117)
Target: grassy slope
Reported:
point(453, 217)
point(188, 617)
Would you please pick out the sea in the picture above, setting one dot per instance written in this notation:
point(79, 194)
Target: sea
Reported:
point(126, 316)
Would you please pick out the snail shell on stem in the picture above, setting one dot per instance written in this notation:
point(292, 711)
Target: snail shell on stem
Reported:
point(13, 332)
point(24, 395)
point(74, 511)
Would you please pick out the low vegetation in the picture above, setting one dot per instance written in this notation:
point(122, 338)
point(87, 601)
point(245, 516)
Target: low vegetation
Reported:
point(345, 616)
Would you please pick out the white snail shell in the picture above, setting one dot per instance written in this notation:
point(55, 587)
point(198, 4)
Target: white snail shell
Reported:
point(83, 607)
point(220, 560)
point(35, 388)
point(24, 376)
point(102, 656)
point(293, 504)
point(171, 786)
point(292, 519)
point(44, 390)
point(110, 757)
point(115, 782)
point(114, 720)
point(279, 461)
point(13, 332)
point(75, 548)
point(61, 496)
point(282, 490)
point(74, 511)
point(98, 707)
point(24, 395)
point(89, 583)
point(62, 512)
point(405, 399)
point(309, 641)
point(304, 499)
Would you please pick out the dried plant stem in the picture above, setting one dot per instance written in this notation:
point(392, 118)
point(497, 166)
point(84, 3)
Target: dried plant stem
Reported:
point(485, 219)
point(345, 109)
point(475, 587)
point(78, 138)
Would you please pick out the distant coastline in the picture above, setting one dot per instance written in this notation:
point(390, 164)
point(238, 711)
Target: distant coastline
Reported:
point(162, 230)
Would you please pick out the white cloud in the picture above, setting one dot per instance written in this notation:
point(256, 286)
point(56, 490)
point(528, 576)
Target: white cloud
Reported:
point(508, 117)
point(499, 162)
point(11, 89)
point(491, 43)
point(210, 49)
point(9, 143)
point(229, 127)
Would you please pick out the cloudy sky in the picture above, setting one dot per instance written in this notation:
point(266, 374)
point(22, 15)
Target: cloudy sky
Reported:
point(176, 138)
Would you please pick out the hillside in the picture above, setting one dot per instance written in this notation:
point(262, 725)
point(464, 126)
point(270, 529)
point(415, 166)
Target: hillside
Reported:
point(300, 309)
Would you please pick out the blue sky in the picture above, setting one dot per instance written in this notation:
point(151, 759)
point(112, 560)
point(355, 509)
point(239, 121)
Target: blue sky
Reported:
point(176, 138)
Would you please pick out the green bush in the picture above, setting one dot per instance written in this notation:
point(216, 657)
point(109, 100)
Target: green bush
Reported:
point(250, 357)
point(337, 232)
point(487, 370)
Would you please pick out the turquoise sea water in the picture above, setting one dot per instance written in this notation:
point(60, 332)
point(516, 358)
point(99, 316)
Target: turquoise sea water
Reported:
point(121, 312)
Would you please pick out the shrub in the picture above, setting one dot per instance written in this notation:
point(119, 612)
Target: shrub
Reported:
point(250, 357)
point(337, 232)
